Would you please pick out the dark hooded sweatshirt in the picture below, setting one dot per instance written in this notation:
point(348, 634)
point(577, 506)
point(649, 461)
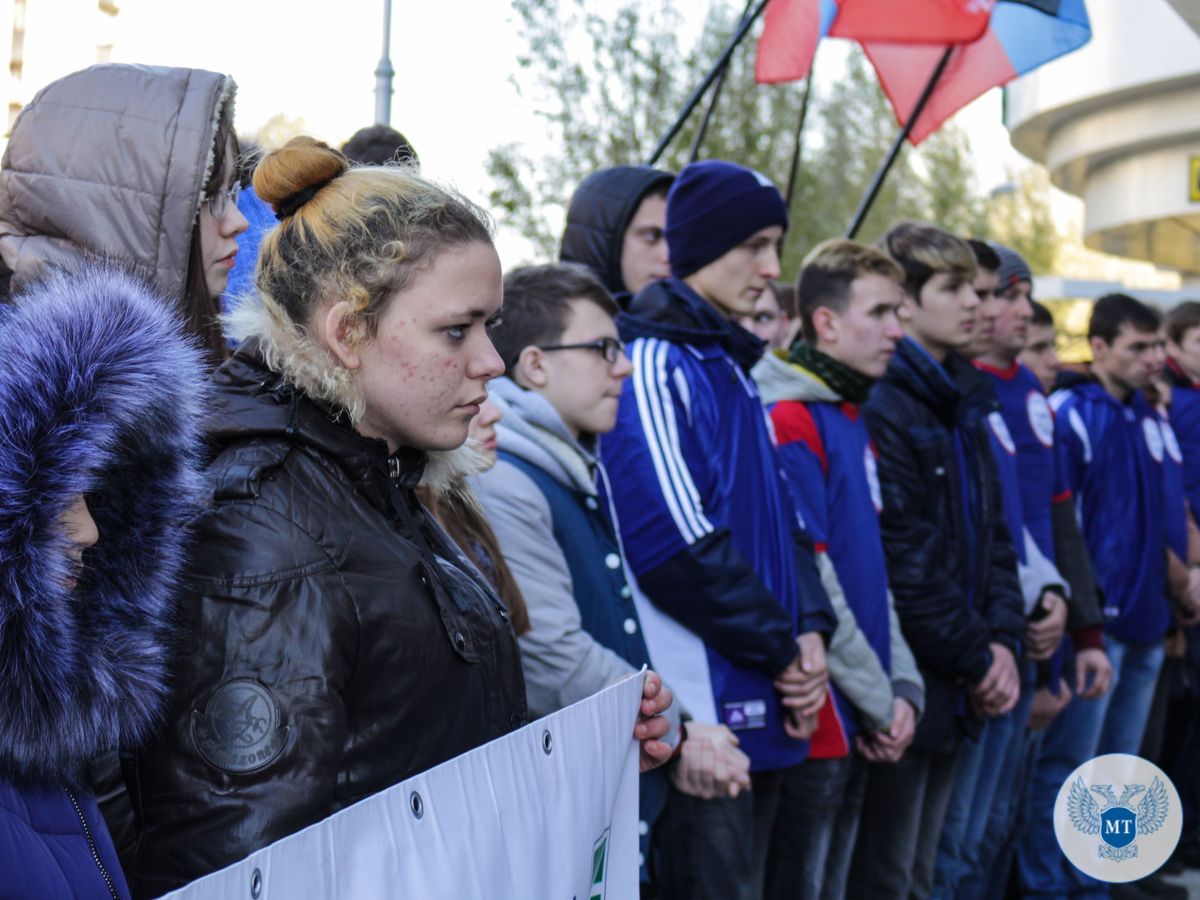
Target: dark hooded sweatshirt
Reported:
point(600, 212)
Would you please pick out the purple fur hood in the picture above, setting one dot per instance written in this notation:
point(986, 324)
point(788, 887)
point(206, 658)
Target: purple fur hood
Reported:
point(100, 394)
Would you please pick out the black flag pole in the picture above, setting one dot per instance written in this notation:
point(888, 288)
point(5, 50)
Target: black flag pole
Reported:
point(713, 74)
point(864, 205)
point(798, 139)
point(698, 142)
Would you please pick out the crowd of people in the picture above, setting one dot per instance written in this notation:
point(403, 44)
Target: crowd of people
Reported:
point(301, 495)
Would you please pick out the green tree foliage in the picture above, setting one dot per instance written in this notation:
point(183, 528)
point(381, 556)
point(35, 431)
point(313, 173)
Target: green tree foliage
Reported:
point(1020, 216)
point(608, 78)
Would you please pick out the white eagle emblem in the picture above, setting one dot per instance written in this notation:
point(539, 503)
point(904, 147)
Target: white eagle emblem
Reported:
point(1116, 821)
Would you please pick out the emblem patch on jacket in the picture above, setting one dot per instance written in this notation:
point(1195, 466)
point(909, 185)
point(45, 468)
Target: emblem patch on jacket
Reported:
point(239, 729)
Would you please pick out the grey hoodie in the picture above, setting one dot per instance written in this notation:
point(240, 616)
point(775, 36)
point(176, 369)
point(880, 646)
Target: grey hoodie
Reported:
point(562, 662)
point(853, 665)
point(111, 161)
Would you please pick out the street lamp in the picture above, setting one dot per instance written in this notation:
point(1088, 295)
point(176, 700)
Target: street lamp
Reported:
point(384, 72)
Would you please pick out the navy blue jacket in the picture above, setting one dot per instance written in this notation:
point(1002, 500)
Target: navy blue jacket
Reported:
point(99, 396)
point(951, 562)
point(708, 525)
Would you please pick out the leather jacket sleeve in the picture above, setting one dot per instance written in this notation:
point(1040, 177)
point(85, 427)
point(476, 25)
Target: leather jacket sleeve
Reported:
point(946, 634)
point(1004, 606)
point(252, 748)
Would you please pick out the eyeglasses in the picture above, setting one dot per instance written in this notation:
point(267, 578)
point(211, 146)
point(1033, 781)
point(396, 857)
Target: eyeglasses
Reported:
point(217, 203)
point(610, 348)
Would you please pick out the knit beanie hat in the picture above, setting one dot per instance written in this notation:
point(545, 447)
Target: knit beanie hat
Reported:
point(713, 206)
point(1013, 267)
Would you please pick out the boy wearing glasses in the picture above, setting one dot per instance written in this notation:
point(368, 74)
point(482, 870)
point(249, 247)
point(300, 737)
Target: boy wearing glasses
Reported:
point(548, 501)
point(737, 613)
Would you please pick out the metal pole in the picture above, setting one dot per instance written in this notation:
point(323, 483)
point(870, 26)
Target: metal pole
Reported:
point(384, 72)
point(694, 100)
point(712, 103)
point(864, 205)
point(799, 137)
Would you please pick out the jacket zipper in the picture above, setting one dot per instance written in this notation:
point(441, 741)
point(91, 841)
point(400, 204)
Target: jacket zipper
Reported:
point(87, 832)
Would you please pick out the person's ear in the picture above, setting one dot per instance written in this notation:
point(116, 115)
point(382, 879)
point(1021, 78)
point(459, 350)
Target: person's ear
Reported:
point(904, 312)
point(1099, 347)
point(531, 368)
point(826, 325)
point(344, 334)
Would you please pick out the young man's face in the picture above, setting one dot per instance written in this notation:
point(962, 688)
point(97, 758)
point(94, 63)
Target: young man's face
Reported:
point(1132, 359)
point(945, 318)
point(1187, 352)
point(734, 282)
point(863, 336)
point(580, 384)
point(1041, 356)
point(1012, 325)
point(767, 322)
point(644, 246)
point(984, 286)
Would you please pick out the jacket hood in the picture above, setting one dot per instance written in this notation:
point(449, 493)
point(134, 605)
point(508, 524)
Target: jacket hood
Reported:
point(280, 384)
point(779, 379)
point(532, 430)
point(600, 211)
point(672, 311)
point(134, 194)
point(101, 395)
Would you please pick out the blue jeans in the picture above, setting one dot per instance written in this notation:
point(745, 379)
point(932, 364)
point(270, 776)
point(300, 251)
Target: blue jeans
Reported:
point(816, 807)
point(1113, 723)
point(976, 775)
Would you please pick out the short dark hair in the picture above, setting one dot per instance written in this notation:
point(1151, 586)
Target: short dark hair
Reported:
point(376, 145)
point(985, 256)
point(1041, 314)
point(536, 302)
point(828, 271)
point(1114, 310)
point(924, 251)
point(785, 296)
point(1182, 319)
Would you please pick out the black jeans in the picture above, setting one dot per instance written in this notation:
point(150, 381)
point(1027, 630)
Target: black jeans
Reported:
point(901, 821)
point(819, 804)
point(716, 849)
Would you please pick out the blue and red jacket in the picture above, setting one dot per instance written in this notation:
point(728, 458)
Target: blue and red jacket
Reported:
point(707, 524)
point(831, 469)
point(1112, 457)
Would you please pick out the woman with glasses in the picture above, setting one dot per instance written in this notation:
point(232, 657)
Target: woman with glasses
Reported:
point(339, 642)
point(135, 164)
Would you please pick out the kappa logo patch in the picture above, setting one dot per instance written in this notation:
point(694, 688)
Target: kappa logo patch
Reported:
point(239, 730)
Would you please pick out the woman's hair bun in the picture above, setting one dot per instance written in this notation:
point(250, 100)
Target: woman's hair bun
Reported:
point(301, 163)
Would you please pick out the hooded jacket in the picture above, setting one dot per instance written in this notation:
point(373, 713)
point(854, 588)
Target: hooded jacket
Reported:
point(100, 395)
point(340, 642)
point(706, 521)
point(868, 672)
point(546, 501)
point(600, 212)
point(951, 562)
point(134, 193)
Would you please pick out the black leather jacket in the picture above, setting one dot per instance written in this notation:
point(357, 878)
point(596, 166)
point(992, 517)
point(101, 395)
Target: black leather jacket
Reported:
point(954, 579)
point(337, 643)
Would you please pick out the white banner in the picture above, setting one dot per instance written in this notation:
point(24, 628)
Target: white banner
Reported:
point(550, 811)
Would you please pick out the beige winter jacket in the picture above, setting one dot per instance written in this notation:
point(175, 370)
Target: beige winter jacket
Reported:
point(111, 161)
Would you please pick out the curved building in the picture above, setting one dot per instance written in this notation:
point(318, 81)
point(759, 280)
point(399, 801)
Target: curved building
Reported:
point(1117, 123)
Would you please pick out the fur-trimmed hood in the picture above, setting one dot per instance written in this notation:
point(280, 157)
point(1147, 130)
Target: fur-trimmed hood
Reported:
point(111, 161)
point(285, 349)
point(100, 394)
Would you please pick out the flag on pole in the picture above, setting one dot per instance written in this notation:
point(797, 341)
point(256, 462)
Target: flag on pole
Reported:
point(792, 28)
point(1022, 35)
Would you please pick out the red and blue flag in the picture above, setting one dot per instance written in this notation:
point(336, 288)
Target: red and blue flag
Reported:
point(1017, 37)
